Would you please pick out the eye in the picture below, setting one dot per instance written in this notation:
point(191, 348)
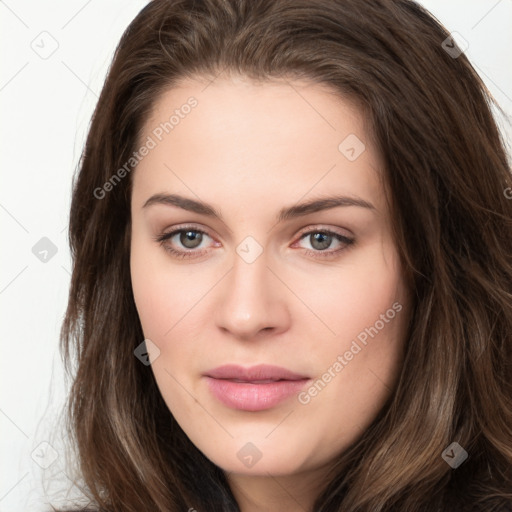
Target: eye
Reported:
point(321, 242)
point(183, 242)
point(190, 242)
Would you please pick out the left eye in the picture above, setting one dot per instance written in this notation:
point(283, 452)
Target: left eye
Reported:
point(321, 240)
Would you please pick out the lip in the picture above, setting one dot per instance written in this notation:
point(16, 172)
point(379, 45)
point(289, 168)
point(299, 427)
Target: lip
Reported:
point(253, 389)
point(253, 373)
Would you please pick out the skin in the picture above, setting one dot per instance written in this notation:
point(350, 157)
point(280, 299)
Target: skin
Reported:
point(250, 149)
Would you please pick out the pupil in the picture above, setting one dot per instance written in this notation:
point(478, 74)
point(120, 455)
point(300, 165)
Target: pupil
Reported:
point(320, 241)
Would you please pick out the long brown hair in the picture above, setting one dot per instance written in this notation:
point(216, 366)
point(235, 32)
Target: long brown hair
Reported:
point(447, 175)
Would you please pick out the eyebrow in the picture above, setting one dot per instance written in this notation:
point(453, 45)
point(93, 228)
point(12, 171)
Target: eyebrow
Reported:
point(286, 213)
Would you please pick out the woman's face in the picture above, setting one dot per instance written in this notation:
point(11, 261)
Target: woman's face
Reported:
point(264, 272)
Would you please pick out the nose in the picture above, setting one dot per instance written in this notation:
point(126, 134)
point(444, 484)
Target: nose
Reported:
point(251, 301)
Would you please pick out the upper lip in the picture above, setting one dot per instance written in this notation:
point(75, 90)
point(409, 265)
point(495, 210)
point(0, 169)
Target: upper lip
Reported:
point(253, 373)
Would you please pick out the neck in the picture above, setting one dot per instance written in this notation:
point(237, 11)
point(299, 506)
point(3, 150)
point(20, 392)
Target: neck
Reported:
point(293, 493)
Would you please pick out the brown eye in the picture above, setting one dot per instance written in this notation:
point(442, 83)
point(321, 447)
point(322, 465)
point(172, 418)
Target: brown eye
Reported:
point(191, 239)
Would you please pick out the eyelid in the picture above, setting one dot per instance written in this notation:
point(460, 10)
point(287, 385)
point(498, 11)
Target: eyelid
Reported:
point(322, 228)
point(165, 236)
point(184, 227)
point(348, 240)
point(307, 230)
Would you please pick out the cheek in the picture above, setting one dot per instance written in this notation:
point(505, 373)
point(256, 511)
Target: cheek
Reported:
point(165, 297)
point(170, 301)
point(152, 296)
point(152, 299)
point(365, 306)
point(351, 298)
point(163, 293)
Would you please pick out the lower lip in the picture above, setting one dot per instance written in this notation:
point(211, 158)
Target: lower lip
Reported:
point(246, 396)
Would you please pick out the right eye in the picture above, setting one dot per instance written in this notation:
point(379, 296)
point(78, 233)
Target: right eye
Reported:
point(183, 242)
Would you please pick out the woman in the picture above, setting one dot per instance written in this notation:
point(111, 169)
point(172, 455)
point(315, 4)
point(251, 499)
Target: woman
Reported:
point(292, 276)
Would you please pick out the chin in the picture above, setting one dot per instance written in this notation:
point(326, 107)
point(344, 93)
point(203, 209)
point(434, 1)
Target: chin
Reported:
point(258, 458)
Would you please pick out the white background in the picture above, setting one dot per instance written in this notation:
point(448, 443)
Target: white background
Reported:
point(46, 105)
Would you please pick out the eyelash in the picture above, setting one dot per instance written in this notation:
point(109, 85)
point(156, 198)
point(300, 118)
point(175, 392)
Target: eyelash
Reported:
point(191, 253)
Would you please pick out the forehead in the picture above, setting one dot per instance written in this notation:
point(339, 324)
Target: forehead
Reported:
point(237, 137)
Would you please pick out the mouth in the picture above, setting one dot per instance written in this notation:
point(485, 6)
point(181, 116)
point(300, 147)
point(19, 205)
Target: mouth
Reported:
point(253, 389)
point(259, 373)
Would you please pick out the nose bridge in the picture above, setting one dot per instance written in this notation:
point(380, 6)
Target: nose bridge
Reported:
point(250, 274)
point(251, 300)
point(250, 268)
point(248, 284)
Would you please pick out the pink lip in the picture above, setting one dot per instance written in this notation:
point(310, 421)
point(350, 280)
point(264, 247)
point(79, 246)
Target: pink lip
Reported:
point(253, 389)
